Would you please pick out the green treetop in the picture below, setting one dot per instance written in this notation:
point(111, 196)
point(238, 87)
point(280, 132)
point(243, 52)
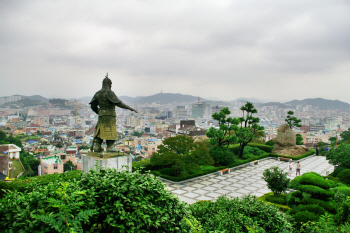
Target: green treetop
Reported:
point(292, 121)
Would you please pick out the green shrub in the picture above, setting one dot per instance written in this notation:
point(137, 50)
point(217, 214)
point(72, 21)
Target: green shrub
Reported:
point(305, 216)
point(248, 156)
point(344, 190)
point(311, 179)
point(99, 201)
point(283, 208)
point(312, 208)
point(234, 215)
point(331, 183)
point(316, 192)
point(142, 165)
point(330, 206)
point(252, 150)
point(270, 143)
point(222, 155)
point(279, 199)
point(295, 183)
point(344, 176)
point(276, 179)
point(337, 171)
point(168, 171)
point(235, 148)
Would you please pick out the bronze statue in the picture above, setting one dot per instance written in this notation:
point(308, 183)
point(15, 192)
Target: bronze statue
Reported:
point(106, 128)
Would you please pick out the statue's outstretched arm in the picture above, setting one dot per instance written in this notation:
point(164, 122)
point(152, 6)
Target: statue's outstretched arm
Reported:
point(122, 105)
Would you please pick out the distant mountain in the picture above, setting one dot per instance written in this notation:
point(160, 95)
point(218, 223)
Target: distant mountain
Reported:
point(278, 104)
point(321, 104)
point(35, 97)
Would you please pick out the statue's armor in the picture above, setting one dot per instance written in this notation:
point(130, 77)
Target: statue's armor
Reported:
point(106, 125)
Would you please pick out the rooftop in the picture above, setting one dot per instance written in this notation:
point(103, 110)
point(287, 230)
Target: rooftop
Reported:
point(52, 160)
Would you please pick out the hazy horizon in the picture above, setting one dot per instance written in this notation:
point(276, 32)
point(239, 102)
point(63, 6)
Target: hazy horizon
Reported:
point(270, 50)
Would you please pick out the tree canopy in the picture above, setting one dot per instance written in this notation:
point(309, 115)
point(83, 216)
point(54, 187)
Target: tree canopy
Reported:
point(292, 121)
point(339, 155)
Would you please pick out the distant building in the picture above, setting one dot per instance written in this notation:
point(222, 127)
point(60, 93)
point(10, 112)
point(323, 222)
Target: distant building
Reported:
point(181, 112)
point(317, 128)
point(216, 109)
point(50, 165)
point(4, 159)
point(199, 109)
point(12, 150)
point(188, 128)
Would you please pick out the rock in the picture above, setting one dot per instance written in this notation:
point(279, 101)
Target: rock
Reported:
point(285, 136)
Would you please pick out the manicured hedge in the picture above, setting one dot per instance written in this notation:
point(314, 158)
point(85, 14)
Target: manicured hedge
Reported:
point(337, 171)
point(311, 179)
point(142, 165)
point(312, 208)
point(343, 189)
point(283, 208)
point(305, 216)
point(316, 192)
point(235, 148)
point(330, 206)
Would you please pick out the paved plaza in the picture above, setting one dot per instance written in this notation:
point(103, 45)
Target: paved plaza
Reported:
point(246, 180)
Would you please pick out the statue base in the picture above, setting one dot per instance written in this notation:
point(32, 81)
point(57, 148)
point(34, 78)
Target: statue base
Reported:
point(118, 160)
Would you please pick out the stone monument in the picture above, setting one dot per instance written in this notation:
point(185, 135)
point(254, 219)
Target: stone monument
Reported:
point(285, 142)
point(103, 104)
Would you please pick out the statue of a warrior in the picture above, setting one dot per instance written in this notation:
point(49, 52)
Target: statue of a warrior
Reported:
point(103, 103)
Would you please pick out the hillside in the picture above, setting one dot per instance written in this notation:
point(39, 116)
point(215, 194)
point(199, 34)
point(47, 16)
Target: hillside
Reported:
point(321, 104)
point(161, 98)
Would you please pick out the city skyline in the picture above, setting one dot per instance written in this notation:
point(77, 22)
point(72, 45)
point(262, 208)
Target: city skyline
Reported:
point(224, 49)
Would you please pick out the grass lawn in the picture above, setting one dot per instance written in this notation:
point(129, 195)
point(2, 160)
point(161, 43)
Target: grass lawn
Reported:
point(16, 168)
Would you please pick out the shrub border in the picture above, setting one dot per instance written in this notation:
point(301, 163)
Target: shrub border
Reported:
point(283, 208)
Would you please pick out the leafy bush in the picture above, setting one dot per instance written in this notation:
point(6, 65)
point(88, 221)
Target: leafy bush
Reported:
point(311, 152)
point(312, 208)
point(337, 171)
point(325, 224)
point(276, 180)
point(344, 176)
point(234, 215)
point(295, 183)
point(168, 171)
point(270, 143)
point(316, 192)
point(252, 150)
point(279, 199)
point(235, 148)
point(312, 179)
point(248, 156)
point(101, 200)
point(144, 164)
point(345, 190)
point(303, 217)
point(222, 155)
point(283, 208)
point(339, 155)
point(330, 206)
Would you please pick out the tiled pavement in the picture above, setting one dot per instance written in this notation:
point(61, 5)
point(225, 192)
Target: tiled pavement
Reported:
point(240, 182)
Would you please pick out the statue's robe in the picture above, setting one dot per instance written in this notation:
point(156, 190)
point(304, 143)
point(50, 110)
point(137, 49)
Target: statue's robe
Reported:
point(103, 103)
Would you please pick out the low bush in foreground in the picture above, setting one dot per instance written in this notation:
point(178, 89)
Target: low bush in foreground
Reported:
point(235, 215)
point(99, 201)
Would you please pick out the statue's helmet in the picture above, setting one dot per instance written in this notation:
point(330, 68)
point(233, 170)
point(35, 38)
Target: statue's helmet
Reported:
point(106, 82)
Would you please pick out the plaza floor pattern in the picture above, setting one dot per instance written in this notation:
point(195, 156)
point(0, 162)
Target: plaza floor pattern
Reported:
point(241, 182)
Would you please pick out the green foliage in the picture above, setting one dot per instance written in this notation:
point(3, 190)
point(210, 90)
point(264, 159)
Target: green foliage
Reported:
point(248, 156)
point(84, 147)
point(345, 190)
point(59, 145)
point(182, 154)
point(2, 135)
point(235, 215)
point(304, 216)
point(137, 133)
point(339, 155)
point(345, 135)
point(100, 201)
point(344, 175)
point(312, 179)
point(68, 166)
point(29, 163)
point(343, 213)
point(279, 199)
point(325, 224)
point(168, 171)
point(236, 148)
point(299, 139)
point(295, 183)
point(224, 136)
point(270, 143)
point(252, 150)
point(222, 155)
point(248, 126)
point(337, 171)
point(270, 197)
point(142, 165)
point(316, 192)
point(276, 180)
point(292, 121)
point(318, 210)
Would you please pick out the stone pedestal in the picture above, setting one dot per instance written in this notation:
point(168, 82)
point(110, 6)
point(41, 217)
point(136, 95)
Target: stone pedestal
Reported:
point(118, 160)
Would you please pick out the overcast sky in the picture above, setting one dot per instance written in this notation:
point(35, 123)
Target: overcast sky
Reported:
point(273, 50)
